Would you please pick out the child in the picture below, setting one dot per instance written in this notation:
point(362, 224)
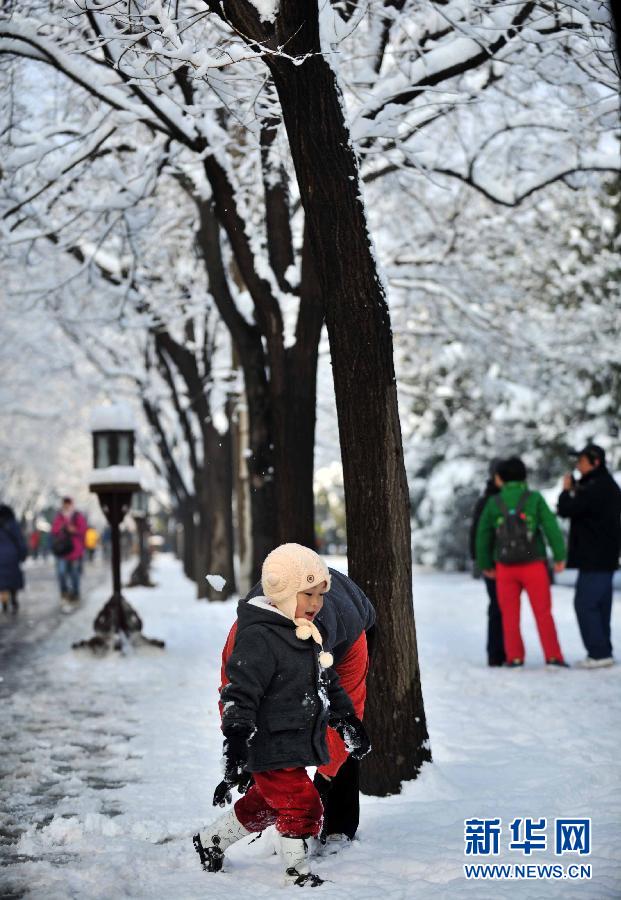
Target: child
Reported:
point(278, 703)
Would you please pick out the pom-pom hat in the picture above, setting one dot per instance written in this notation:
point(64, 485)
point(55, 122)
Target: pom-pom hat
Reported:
point(287, 570)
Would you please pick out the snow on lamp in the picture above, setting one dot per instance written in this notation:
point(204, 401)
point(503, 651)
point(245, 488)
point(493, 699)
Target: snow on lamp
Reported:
point(112, 427)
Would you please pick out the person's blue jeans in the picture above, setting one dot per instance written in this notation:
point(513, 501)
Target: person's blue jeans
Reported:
point(593, 605)
point(69, 571)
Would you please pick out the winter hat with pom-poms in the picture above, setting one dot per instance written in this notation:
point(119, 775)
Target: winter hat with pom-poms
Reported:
point(287, 570)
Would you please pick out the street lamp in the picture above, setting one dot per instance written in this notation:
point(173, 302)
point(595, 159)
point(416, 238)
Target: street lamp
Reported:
point(114, 479)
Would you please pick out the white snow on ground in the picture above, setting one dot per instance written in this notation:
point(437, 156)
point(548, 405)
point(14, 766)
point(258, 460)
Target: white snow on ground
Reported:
point(110, 764)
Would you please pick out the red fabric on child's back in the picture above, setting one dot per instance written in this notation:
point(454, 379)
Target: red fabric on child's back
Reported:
point(352, 671)
point(226, 652)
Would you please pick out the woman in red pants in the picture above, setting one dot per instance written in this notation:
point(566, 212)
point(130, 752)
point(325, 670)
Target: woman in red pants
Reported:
point(511, 547)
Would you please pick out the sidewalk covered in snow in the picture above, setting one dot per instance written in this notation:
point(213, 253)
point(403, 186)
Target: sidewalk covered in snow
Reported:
point(109, 764)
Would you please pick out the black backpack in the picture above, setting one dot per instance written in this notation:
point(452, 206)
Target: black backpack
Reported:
point(62, 543)
point(514, 542)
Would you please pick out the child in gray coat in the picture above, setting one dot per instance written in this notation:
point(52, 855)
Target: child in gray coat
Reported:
point(280, 698)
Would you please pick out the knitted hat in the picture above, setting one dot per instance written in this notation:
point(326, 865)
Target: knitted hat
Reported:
point(287, 570)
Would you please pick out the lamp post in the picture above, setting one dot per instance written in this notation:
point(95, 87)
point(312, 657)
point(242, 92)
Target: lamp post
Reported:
point(141, 577)
point(114, 479)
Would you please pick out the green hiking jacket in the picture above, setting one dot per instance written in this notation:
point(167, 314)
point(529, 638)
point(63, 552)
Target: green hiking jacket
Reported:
point(540, 518)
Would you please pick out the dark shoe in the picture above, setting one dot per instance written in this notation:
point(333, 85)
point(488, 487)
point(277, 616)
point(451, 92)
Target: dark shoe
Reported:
point(307, 880)
point(211, 857)
point(554, 663)
point(494, 663)
point(515, 664)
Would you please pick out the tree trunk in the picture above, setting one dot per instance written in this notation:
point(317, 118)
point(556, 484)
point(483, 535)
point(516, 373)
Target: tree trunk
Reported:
point(214, 550)
point(358, 322)
point(248, 348)
point(260, 460)
point(293, 406)
point(296, 416)
point(281, 409)
point(186, 519)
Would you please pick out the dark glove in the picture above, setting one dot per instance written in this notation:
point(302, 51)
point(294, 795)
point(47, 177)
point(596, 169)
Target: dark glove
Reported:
point(235, 757)
point(353, 732)
point(222, 794)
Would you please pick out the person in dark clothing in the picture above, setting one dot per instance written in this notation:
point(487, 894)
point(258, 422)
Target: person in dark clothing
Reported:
point(13, 551)
point(280, 695)
point(593, 507)
point(495, 641)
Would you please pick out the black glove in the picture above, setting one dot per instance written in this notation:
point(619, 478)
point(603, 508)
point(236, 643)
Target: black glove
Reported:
point(222, 794)
point(353, 732)
point(245, 782)
point(235, 757)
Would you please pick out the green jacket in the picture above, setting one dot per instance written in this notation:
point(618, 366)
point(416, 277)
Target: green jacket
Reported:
point(540, 518)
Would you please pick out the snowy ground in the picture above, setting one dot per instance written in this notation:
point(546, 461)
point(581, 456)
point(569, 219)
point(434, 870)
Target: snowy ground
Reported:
point(109, 765)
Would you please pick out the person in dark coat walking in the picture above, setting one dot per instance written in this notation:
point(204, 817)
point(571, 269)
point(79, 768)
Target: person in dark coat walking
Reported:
point(13, 551)
point(347, 624)
point(593, 507)
point(280, 696)
point(495, 641)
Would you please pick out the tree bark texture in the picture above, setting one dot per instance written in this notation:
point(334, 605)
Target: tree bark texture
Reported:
point(186, 513)
point(358, 322)
point(214, 545)
point(211, 525)
point(281, 404)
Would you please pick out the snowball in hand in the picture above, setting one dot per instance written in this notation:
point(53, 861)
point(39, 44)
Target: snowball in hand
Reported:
point(217, 582)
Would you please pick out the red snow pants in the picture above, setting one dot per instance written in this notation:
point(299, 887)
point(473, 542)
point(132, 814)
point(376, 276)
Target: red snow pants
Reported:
point(510, 582)
point(286, 798)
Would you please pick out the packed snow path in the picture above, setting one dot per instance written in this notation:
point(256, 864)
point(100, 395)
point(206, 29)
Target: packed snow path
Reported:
point(39, 614)
point(109, 764)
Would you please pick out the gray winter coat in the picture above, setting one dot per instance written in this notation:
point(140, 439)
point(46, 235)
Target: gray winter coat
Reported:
point(277, 686)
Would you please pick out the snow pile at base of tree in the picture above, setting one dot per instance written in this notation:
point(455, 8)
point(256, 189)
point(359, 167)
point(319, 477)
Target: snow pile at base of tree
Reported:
point(110, 764)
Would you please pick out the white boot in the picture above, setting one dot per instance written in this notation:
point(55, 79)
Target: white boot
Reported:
point(218, 837)
point(294, 853)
